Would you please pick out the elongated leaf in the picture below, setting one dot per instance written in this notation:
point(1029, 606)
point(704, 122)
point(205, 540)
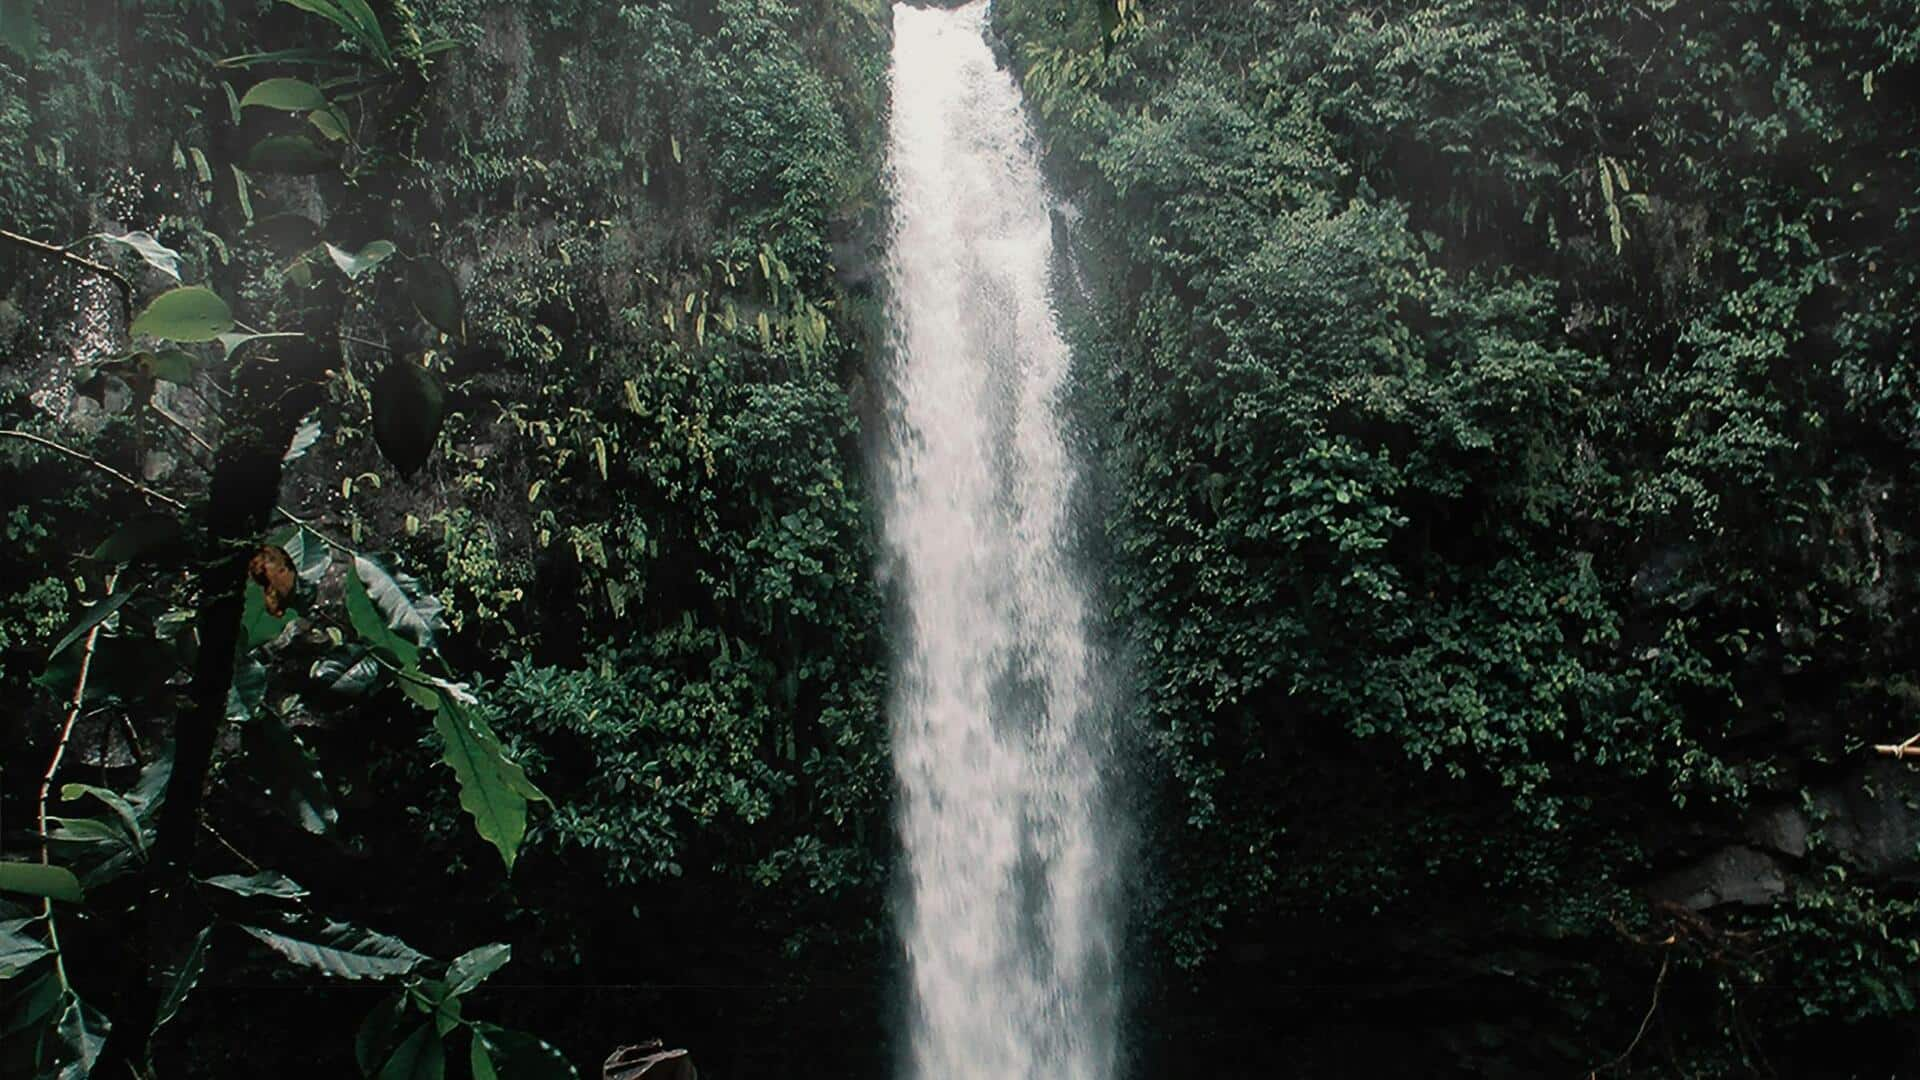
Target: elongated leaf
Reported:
point(421, 1057)
point(408, 409)
point(311, 555)
point(248, 690)
point(158, 255)
point(144, 534)
point(329, 122)
point(89, 619)
point(356, 18)
point(19, 949)
point(267, 884)
point(287, 95)
point(352, 672)
point(80, 1035)
point(373, 1043)
point(123, 810)
point(343, 951)
point(403, 604)
point(494, 789)
point(35, 1004)
point(472, 968)
point(37, 879)
point(183, 978)
point(516, 1055)
point(291, 771)
point(193, 313)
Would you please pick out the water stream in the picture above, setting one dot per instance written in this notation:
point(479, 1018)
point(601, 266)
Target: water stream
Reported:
point(998, 741)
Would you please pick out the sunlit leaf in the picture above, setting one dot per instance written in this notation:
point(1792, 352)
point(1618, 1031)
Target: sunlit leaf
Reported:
point(193, 313)
point(370, 256)
point(157, 255)
point(342, 950)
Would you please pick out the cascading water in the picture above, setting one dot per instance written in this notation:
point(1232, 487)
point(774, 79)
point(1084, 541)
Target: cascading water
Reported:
point(1007, 926)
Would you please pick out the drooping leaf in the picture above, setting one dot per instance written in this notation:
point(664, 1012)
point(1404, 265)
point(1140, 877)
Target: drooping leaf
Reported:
point(423, 1056)
point(35, 1004)
point(232, 343)
point(80, 1035)
point(292, 155)
point(370, 256)
point(88, 619)
point(123, 810)
point(310, 554)
point(303, 439)
point(143, 535)
point(19, 950)
point(372, 626)
point(342, 950)
point(474, 966)
point(352, 672)
point(403, 604)
point(158, 255)
point(408, 409)
point(291, 772)
point(330, 122)
point(287, 95)
point(39, 879)
point(373, 1043)
point(516, 1055)
point(193, 313)
point(494, 789)
point(183, 977)
point(356, 18)
point(431, 287)
point(268, 884)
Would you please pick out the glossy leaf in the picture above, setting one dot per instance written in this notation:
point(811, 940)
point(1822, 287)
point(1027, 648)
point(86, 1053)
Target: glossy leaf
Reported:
point(19, 949)
point(193, 313)
point(342, 950)
point(354, 264)
point(93, 616)
point(473, 968)
point(157, 255)
point(423, 1056)
point(494, 789)
point(373, 1043)
point(266, 884)
point(516, 1055)
point(183, 978)
point(39, 879)
point(287, 95)
point(291, 773)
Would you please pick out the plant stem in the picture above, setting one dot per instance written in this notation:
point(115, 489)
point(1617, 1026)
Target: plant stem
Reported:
point(53, 767)
point(96, 463)
point(53, 251)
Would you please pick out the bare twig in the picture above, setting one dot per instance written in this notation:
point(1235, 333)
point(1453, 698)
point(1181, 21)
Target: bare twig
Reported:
point(1910, 748)
point(1652, 1007)
point(54, 251)
point(96, 463)
point(307, 525)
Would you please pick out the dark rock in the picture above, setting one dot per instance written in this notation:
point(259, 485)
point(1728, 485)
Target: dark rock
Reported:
point(1732, 875)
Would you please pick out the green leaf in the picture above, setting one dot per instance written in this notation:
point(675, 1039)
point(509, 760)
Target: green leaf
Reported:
point(241, 195)
point(472, 969)
point(374, 1041)
point(343, 951)
point(435, 294)
point(123, 810)
point(369, 257)
point(517, 1055)
point(248, 690)
point(267, 884)
point(303, 439)
point(172, 365)
point(35, 1004)
point(20, 29)
point(19, 950)
point(329, 122)
point(184, 978)
point(257, 626)
point(81, 1033)
point(193, 313)
point(408, 409)
point(292, 155)
point(39, 879)
point(144, 534)
point(494, 790)
point(291, 772)
point(158, 255)
point(422, 1057)
point(93, 616)
point(287, 95)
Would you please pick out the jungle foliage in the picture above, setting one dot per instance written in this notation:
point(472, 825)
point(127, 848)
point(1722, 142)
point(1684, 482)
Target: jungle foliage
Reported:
point(1507, 414)
point(456, 383)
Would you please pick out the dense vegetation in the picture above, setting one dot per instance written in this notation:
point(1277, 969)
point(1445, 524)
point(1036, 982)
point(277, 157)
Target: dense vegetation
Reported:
point(564, 410)
point(1509, 417)
point(1505, 425)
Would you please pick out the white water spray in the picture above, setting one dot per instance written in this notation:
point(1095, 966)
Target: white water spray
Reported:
point(1007, 927)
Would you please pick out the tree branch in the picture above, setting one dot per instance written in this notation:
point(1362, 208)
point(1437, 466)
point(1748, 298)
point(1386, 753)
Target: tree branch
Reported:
point(96, 463)
point(53, 251)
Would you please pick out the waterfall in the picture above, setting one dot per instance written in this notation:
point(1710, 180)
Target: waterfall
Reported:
point(998, 743)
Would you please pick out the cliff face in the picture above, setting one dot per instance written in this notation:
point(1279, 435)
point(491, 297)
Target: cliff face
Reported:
point(1506, 433)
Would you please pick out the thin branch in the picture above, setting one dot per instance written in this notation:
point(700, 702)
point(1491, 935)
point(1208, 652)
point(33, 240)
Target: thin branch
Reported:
point(324, 538)
point(182, 425)
point(96, 463)
point(1652, 1006)
point(53, 767)
point(54, 251)
point(1910, 748)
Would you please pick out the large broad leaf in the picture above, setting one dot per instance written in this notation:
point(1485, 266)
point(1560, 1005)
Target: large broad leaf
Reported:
point(287, 95)
point(401, 604)
point(311, 555)
point(158, 255)
point(472, 969)
point(293, 155)
point(20, 28)
point(374, 1042)
point(343, 951)
point(291, 773)
point(500, 1054)
point(19, 949)
point(494, 790)
point(39, 879)
point(408, 409)
point(183, 977)
point(436, 295)
point(143, 535)
point(354, 264)
point(265, 885)
point(123, 811)
point(421, 1057)
point(194, 313)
